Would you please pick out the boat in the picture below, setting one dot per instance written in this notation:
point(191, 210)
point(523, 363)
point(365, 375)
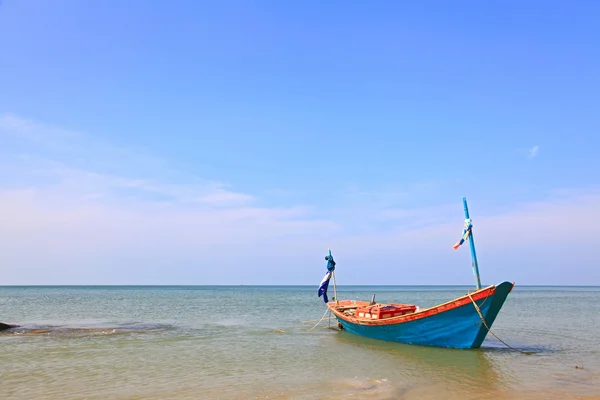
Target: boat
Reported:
point(462, 323)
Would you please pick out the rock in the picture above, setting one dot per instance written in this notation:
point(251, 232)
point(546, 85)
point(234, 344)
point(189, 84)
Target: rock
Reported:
point(4, 326)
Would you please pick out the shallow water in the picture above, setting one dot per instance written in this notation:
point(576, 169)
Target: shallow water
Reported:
point(251, 342)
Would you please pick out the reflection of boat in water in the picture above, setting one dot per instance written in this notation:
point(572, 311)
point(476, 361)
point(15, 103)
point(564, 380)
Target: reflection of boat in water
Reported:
point(422, 372)
point(459, 323)
point(424, 358)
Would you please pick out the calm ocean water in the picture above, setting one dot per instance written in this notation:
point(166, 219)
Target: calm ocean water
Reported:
point(251, 343)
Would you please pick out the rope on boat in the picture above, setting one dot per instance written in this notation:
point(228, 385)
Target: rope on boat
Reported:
point(321, 320)
point(490, 331)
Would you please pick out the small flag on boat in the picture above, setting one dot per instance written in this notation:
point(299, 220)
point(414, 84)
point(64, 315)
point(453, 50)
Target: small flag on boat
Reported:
point(465, 234)
point(325, 282)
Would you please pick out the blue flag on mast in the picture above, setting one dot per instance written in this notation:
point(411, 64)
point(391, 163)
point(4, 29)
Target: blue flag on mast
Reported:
point(323, 287)
point(325, 282)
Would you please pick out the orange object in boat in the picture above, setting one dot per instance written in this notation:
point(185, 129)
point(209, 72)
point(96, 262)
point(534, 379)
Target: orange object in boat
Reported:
point(382, 311)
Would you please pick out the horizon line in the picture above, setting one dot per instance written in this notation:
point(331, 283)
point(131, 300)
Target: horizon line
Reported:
point(278, 285)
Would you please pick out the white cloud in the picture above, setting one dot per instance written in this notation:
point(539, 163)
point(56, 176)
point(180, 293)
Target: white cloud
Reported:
point(533, 151)
point(64, 223)
point(50, 137)
point(77, 163)
point(563, 218)
point(58, 213)
point(78, 150)
point(119, 242)
point(83, 241)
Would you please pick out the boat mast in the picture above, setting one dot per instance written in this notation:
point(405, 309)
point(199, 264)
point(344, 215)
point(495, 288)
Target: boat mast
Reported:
point(333, 276)
point(472, 244)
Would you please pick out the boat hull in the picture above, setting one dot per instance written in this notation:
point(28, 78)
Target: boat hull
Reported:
point(455, 324)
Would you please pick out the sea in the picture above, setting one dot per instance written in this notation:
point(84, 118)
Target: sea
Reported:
point(260, 342)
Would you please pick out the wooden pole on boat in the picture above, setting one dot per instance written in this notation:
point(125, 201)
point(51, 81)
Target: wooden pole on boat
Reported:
point(334, 288)
point(472, 244)
point(334, 285)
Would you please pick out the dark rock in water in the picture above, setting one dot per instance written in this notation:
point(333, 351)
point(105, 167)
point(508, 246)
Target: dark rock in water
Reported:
point(65, 331)
point(4, 326)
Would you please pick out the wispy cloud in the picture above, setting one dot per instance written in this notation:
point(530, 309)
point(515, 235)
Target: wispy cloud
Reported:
point(78, 239)
point(68, 205)
point(67, 221)
point(50, 137)
point(74, 160)
point(532, 152)
point(211, 194)
point(77, 149)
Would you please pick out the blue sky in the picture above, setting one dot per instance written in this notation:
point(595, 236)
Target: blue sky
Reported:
point(234, 142)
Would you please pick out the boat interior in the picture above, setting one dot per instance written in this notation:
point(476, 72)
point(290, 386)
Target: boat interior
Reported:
point(372, 310)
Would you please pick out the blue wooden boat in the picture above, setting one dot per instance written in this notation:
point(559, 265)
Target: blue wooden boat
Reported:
point(461, 323)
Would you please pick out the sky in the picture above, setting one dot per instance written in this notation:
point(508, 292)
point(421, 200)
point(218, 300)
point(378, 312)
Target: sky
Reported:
point(234, 142)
